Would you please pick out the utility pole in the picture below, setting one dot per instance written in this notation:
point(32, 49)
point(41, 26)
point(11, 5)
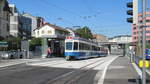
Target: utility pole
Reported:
point(143, 40)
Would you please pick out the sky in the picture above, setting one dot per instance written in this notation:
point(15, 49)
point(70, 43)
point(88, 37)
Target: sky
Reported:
point(107, 17)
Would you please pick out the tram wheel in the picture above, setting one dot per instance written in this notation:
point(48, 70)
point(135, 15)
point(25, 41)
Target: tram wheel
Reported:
point(68, 58)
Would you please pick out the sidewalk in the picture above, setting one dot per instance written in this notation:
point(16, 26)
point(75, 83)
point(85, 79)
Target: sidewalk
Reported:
point(11, 62)
point(121, 71)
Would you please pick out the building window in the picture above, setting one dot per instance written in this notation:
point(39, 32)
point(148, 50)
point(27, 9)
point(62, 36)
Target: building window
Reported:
point(134, 33)
point(135, 38)
point(147, 31)
point(15, 18)
point(14, 27)
point(8, 27)
point(38, 32)
point(147, 37)
point(43, 32)
point(134, 28)
point(147, 20)
point(148, 15)
point(49, 32)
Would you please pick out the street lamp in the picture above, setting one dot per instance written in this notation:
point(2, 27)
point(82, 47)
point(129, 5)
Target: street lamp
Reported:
point(28, 50)
point(143, 40)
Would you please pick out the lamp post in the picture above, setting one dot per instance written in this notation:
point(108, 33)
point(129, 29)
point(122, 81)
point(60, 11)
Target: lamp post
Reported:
point(28, 50)
point(143, 40)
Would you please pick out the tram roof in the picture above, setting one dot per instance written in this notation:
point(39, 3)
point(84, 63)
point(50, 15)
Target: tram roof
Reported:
point(81, 39)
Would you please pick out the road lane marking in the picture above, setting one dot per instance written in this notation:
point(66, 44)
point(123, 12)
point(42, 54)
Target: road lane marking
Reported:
point(101, 80)
point(138, 70)
point(148, 71)
point(84, 73)
point(82, 68)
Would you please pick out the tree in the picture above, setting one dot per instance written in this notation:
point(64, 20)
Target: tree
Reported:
point(14, 43)
point(84, 32)
point(35, 42)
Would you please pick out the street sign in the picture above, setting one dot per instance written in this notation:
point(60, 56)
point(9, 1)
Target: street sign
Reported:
point(147, 54)
point(3, 44)
point(141, 64)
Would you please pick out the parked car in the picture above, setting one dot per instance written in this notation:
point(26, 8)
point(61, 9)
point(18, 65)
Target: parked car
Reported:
point(12, 55)
point(5, 55)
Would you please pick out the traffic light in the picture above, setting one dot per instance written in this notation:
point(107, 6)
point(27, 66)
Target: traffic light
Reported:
point(130, 12)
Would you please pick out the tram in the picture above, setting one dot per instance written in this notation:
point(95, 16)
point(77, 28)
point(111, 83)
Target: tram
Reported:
point(79, 48)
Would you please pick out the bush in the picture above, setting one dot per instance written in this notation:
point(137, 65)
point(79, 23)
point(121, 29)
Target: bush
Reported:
point(148, 46)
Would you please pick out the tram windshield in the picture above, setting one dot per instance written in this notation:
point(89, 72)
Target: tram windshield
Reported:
point(68, 45)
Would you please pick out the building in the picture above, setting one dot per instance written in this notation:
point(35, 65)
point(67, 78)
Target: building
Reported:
point(14, 21)
point(33, 22)
point(99, 38)
point(24, 27)
point(4, 18)
point(121, 39)
point(54, 37)
point(137, 30)
point(36, 22)
point(118, 44)
point(40, 22)
point(50, 30)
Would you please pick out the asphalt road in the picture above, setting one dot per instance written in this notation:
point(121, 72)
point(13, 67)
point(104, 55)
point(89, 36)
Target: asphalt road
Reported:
point(89, 71)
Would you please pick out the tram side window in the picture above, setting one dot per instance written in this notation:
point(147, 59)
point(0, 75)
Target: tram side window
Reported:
point(81, 46)
point(75, 45)
point(95, 48)
point(98, 48)
point(92, 47)
point(69, 46)
point(84, 47)
point(88, 47)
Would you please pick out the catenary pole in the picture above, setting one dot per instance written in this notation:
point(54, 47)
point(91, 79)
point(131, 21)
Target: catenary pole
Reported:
point(143, 40)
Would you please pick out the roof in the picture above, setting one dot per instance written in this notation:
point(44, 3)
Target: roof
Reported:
point(120, 36)
point(53, 26)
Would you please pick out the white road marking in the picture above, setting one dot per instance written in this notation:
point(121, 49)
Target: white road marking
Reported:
point(85, 67)
point(148, 71)
point(137, 69)
point(101, 80)
point(3, 68)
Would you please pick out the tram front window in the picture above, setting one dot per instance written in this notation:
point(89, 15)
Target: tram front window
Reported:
point(69, 46)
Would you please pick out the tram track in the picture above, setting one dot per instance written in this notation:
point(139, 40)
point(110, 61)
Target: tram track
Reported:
point(47, 63)
point(73, 80)
point(72, 76)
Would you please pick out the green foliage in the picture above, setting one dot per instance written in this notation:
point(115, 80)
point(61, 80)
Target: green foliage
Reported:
point(84, 32)
point(148, 46)
point(35, 42)
point(14, 43)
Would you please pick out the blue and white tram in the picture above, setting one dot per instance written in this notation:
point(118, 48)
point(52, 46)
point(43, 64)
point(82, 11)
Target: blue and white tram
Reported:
point(78, 48)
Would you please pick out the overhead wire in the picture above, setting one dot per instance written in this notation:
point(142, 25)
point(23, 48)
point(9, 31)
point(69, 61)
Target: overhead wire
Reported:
point(62, 19)
point(59, 7)
point(50, 4)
